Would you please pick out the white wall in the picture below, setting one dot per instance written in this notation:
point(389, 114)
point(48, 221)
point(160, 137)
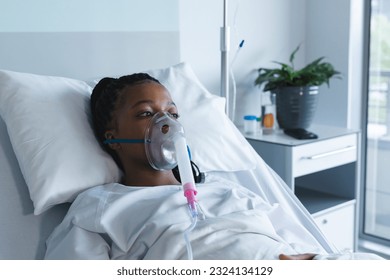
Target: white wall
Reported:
point(335, 30)
point(88, 15)
point(327, 32)
point(133, 35)
point(271, 30)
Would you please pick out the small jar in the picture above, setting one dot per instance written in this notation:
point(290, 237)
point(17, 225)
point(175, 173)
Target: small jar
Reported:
point(250, 124)
point(268, 120)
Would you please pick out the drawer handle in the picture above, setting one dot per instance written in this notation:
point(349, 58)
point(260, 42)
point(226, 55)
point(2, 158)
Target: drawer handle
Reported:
point(331, 153)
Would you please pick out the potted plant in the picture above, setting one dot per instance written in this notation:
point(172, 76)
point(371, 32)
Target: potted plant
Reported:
point(296, 91)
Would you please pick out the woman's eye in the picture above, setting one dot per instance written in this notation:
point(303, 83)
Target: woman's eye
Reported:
point(146, 114)
point(175, 115)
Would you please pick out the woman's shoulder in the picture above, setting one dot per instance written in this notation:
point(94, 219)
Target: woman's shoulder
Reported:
point(92, 197)
point(103, 195)
point(96, 192)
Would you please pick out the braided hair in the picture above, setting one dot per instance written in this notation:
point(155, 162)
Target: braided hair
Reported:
point(104, 99)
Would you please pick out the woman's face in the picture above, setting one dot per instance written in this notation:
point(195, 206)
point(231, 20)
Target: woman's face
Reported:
point(135, 108)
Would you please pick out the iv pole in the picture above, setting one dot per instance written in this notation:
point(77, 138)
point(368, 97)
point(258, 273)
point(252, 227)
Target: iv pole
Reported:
point(225, 38)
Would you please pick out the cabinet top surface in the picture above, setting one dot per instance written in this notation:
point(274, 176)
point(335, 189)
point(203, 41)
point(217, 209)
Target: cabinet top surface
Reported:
point(278, 137)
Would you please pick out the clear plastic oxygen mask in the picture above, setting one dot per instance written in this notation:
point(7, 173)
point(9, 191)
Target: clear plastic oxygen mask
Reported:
point(160, 135)
point(167, 147)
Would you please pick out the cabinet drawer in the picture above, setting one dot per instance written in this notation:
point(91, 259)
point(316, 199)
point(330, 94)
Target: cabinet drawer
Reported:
point(338, 226)
point(324, 154)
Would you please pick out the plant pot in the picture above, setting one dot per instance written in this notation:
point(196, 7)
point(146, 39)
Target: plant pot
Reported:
point(296, 106)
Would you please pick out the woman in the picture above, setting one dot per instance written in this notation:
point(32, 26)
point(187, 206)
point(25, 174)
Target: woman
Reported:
point(122, 108)
point(144, 216)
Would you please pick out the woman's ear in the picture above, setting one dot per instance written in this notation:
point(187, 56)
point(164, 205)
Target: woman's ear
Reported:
point(109, 135)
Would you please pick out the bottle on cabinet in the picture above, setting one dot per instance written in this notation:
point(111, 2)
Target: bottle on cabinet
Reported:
point(268, 113)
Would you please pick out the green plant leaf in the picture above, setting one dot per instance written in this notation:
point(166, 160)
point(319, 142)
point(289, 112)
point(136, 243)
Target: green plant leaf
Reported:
point(315, 73)
point(292, 56)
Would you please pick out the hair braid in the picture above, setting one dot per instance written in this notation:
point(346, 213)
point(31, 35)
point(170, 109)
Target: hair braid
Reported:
point(104, 100)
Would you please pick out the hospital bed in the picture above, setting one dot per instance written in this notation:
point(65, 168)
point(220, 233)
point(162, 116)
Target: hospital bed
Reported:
point(48, 153)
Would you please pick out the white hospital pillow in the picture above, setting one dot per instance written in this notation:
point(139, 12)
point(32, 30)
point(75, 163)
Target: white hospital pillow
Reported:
point(47, 120)
point(216, 144)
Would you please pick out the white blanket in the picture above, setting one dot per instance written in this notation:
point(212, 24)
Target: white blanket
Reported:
point(119, 222)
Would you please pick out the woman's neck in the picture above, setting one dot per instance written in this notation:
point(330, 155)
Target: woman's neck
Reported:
point(149, 178)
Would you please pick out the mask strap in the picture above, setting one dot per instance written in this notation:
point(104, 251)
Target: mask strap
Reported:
point(131, 141)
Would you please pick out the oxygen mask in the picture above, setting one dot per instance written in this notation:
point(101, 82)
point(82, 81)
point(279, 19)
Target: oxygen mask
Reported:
point(166, 147)
point(160, 137)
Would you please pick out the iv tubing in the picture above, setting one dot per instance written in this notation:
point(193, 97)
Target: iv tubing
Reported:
point(186, 238)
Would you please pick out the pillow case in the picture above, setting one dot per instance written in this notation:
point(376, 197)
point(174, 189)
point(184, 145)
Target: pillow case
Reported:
point(48, 122)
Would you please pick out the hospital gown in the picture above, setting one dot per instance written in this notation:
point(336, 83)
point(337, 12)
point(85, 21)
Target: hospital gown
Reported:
point(114, 221)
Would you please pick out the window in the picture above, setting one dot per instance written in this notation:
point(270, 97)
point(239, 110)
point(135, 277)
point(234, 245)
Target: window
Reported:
point(376, 221)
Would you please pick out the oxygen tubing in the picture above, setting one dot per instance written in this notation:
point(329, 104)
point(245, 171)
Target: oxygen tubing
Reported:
point(188, 183)
point(186, 235)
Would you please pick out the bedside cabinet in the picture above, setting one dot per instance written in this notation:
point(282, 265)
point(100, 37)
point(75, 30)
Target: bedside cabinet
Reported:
point(323, 173)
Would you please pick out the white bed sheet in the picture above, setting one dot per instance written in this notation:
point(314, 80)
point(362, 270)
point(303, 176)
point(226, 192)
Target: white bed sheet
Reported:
point(118, 222)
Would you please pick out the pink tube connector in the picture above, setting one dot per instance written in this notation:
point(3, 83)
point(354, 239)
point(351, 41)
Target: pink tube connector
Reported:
point(190, 193)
